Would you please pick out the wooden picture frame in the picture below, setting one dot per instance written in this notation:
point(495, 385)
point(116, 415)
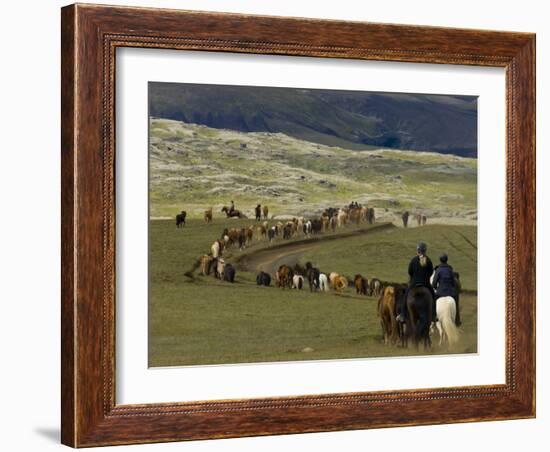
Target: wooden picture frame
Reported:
point(90, 36)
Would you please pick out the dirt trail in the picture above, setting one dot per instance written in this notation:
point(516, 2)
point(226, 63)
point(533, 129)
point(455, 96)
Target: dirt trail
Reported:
point(269, 259)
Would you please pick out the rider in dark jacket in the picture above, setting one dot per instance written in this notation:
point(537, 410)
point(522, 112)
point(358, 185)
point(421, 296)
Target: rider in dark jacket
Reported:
point(420, 270)
point(444, 283)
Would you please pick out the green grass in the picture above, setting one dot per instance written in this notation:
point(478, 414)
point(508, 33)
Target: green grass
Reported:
point(206, 321)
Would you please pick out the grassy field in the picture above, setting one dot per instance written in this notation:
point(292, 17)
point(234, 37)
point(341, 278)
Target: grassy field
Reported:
point(201, 320)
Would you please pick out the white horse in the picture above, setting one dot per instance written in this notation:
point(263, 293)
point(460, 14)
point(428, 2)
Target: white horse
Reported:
point(220, 268)
point(446, 313)
point(297, 282)
point(323, 282)
point(216, 249)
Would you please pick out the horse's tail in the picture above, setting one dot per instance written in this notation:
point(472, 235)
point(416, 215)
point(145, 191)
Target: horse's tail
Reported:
point(446, 316)
point(422, 328)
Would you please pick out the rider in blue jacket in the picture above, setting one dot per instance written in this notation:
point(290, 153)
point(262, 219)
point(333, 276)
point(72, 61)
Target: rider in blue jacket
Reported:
point(444, 283)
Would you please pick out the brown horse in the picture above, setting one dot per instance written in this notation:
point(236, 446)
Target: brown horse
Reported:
point(419, 304)
point(370, 215)
point(265, 211)
point(361, 285)
point(208, 216)
point(233, 213)
point(284, 277)
point(386, 312)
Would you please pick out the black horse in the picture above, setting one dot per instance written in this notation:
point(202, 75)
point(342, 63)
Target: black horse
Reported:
point(419, 304)
point(312, 275)
point(263, 279)
point(229, 273)
point(258, 212)
point(180, 219)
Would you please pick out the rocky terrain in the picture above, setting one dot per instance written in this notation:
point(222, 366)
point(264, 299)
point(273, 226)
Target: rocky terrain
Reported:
point(194, 167)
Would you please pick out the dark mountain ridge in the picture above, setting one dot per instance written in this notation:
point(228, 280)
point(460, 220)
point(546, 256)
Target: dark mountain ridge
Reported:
point(351, 119)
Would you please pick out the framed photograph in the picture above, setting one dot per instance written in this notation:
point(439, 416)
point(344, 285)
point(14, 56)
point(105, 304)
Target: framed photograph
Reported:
point(280, 225)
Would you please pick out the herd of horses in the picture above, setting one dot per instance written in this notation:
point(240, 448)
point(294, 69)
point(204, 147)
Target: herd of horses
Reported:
point(331, 217)
point(421, 219)
point(419, 323)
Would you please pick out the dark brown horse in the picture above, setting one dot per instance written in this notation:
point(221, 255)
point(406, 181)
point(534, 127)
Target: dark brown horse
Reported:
point(405, 218)
point(180, 219)
point(233, 213)
point(419, 304)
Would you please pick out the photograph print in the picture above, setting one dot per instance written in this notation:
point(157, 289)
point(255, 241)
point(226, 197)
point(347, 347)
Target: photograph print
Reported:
point(292, 224)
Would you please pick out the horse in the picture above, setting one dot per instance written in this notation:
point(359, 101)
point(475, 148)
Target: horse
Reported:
point(333, 223)
point(180, 219)
point(418, 219)
point(338, 282)
point(323, 282)
point(287, 231)
point(317, 226)
point(387, 314)
point(206, 264)
point(271, 233)
point(231, 236)
point(249, 234)
point(233, 213)
point(375, 287)
point(312, 275)
point(446, 313)
point(419, 303)
point(217, 249)
point(298, 282)
point(364, 213)
point(370, 215)
point(342, 218)
point(258, 212)
point(242, 238)
point(355, 215)
point(284, 276)
point(220, 269)
point(405, 218)
point(325, 219)
point(263, 279)
point(229, 273)
point(265, 210)
point(208, 216)
point(360, 285)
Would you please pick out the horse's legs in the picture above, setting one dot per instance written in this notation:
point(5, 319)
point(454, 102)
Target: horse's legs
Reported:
point(440, 331)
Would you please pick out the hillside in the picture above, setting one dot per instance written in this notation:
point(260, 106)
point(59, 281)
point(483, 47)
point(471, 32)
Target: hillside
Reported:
point(350, 119)
point(193, 167)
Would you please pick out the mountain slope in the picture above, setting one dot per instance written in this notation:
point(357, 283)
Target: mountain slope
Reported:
point(350, 119)
point(194, 167)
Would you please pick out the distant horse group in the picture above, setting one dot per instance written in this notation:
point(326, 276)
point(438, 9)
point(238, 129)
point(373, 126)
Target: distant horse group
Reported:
point(421, 219)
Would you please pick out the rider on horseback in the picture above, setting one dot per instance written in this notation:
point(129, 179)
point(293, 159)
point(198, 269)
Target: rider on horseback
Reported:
point(420, 270)
point(444, 283)
point(231, 208)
